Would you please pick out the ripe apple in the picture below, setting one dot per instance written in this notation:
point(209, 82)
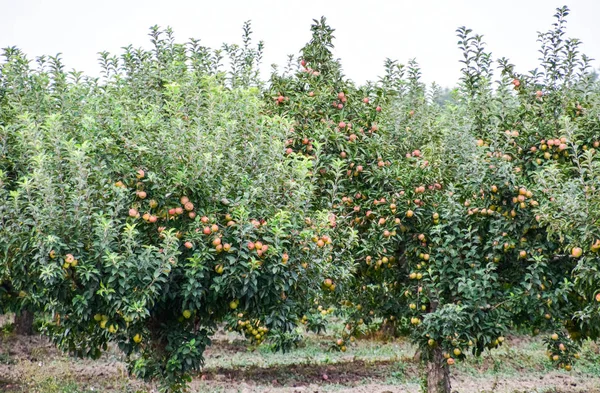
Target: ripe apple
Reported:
point(141, 194)
point(576, 252)
point(378, 109)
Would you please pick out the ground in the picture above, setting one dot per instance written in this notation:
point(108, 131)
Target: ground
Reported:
point(32, 365)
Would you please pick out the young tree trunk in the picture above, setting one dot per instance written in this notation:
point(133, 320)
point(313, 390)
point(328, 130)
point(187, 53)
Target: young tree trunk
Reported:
point(438, 375)
point(24, 323)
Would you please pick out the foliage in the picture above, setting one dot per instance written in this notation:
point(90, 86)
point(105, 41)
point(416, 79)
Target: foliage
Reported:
point(170, 195)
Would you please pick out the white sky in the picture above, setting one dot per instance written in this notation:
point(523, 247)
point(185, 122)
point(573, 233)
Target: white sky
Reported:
point(366, 31)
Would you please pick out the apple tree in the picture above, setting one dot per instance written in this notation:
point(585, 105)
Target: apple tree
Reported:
point(146, 207)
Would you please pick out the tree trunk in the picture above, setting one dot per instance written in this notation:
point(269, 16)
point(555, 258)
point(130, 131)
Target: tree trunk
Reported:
point(438, 375)
point(24, 323)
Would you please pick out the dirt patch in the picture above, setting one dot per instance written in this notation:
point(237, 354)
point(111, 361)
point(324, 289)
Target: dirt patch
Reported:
point(554, 382)
point(30, 348)
point(342, 373)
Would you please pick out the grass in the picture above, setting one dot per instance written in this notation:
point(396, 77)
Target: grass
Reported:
point(36, 367)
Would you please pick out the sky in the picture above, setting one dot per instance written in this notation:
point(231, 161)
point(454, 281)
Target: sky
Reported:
point(367, 32)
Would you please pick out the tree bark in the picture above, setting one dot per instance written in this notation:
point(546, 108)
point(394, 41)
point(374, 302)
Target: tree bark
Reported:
point(24, 323)
point(438, 375)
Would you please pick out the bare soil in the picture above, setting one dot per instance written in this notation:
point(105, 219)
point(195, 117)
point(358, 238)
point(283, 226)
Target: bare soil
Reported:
point(33, 365)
